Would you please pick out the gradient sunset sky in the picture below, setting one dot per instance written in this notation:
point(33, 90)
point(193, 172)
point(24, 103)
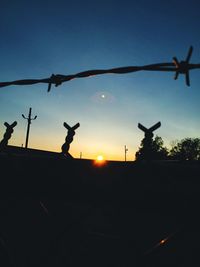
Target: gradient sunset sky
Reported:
point(39, 38)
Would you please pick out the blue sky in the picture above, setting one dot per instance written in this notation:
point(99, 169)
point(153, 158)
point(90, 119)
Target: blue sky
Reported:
point(39, 38)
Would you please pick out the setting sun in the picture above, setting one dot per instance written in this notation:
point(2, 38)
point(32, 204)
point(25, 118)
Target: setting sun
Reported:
point(100, 161)
point(100, 158)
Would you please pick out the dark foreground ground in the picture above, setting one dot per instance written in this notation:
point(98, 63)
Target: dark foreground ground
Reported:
point(58, 212)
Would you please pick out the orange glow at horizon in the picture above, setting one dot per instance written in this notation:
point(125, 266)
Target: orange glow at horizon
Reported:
point(53, 141)
point(100, 161)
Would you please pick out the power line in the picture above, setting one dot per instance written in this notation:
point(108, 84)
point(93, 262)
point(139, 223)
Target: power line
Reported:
point(29, 119)
point(125, 152)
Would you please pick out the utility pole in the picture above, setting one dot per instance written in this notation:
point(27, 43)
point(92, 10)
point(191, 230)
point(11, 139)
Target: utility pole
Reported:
point(125, 151)
point(80, 155)
point(29, 119)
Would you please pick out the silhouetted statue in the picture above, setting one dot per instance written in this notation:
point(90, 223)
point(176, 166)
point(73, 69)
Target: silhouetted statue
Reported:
point(69, 138)
point(148, 140)
point(7, 135)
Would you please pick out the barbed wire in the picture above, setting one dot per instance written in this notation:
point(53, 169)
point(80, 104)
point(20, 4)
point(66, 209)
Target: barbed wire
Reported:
point(182, 67)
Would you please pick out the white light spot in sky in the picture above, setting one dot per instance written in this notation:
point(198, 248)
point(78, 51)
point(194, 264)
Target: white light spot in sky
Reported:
point(103, 97)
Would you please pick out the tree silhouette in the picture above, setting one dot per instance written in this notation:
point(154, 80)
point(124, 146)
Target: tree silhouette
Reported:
point(158, 151)
point(186, 149)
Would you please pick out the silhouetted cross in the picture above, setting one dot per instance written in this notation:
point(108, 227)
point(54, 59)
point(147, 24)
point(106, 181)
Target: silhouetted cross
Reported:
point(69, 128)
point(69, 138)
point(149, 132)
point(148, 139)
point(8, 133)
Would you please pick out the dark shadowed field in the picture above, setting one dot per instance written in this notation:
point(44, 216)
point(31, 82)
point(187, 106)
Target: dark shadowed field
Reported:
point(59, 212)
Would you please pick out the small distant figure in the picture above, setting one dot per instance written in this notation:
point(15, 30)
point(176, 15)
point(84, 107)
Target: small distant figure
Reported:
point(69, 138)
point(7, 135)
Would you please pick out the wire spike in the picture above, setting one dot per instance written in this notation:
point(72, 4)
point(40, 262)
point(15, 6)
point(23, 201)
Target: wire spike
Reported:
point(49, 87)
point(189, 54)
point(187, 78)
point(176, 75)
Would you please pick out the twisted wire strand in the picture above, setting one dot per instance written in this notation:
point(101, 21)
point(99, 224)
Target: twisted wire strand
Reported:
point(58, 79)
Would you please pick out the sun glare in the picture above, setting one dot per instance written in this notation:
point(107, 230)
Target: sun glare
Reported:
point(99, 160)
